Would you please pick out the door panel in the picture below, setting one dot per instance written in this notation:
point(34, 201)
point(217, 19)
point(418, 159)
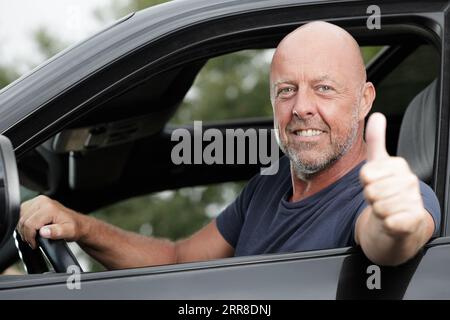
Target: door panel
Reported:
point(342, 275)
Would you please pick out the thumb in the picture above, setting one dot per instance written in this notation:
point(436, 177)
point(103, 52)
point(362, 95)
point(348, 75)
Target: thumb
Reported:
point(376, 137)
point(52, 231)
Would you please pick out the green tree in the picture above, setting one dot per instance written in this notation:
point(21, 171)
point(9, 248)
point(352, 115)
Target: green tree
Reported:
point(7, 75)
point(48, 44)
point(232, 86)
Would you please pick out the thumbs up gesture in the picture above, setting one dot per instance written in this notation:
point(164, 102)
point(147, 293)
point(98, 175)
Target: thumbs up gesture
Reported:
point(390, 187)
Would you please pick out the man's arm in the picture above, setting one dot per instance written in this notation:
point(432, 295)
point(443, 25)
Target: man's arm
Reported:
point(395, 225)
point(113, 247)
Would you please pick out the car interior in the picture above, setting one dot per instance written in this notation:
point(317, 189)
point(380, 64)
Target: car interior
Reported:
point(121, 149)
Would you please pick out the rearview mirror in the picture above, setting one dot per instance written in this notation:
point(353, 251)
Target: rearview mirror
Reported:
point(9, 191)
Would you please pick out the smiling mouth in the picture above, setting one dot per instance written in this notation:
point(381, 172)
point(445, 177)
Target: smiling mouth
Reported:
point(308, 133)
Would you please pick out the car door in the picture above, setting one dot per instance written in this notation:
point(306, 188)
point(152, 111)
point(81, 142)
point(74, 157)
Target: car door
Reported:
point(110, 63)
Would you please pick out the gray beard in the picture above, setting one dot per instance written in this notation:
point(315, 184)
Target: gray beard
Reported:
point(305, 170)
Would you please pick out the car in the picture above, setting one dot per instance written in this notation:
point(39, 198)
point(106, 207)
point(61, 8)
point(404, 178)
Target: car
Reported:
point(92, 126)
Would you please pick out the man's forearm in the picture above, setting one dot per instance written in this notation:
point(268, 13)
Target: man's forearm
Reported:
point(385, 249)
point(116, 248)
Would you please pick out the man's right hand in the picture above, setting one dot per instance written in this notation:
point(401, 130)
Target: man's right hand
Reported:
point(52, 219)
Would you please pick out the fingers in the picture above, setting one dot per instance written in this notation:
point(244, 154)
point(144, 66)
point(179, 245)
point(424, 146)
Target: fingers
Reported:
point(404, 223)
point(376, 137)
point(26, 210)
point(34, 222)
point(391, 186)
point(398, 203)
point(376, 170)
point(39, 212)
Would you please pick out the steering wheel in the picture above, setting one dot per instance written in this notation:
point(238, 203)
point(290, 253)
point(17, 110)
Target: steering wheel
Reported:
point(57, 253)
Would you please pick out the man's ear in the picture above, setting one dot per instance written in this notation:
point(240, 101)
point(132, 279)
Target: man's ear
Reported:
point(367, 98)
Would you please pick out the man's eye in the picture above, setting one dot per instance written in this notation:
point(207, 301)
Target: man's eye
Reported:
point(325, 88)
point(285, 91)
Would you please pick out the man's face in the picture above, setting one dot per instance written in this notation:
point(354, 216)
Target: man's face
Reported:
point(316, 105)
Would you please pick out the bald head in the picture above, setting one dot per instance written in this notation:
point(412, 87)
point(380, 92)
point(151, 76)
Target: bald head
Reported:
point(327, 45)
point(320, 96)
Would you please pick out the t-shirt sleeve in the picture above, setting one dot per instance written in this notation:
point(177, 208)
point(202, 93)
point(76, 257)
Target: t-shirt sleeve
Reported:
point(430, 203)
point(231, 219)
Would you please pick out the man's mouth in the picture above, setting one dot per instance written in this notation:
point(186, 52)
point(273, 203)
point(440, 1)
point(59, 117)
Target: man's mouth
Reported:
point(308, 132)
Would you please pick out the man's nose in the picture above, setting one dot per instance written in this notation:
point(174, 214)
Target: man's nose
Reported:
point(304, 106)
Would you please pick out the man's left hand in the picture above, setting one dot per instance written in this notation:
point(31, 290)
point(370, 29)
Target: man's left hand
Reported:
point(390, 187)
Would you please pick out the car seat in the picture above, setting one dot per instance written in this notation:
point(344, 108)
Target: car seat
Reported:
point(417, 135)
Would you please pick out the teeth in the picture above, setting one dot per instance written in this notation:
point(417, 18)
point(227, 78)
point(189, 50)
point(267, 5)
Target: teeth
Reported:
point(308, 133)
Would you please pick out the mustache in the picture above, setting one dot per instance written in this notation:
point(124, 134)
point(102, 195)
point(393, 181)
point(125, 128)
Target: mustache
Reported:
point(300, 124)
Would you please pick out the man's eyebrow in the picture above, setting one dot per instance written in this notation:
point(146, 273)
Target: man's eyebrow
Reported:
point(324, 78)
point(281, 81)
point(318, 79)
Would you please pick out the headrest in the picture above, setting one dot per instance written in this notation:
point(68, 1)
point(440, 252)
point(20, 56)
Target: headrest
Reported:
point(418, 132)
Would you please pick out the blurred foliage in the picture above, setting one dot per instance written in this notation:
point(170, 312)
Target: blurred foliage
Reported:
point(232, 86)
point(170, 214)
point(7, 75)
point(228, 87)
point(368, 53)
point(174, 214)
point(48, 45)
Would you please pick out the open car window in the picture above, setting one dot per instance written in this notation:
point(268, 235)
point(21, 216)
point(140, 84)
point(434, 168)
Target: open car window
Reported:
point(230, 87)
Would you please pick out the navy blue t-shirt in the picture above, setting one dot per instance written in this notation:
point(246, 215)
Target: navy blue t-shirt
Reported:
point(262, 220)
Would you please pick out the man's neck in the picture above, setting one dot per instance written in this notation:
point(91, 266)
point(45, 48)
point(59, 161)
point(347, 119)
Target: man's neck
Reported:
point(305, 187)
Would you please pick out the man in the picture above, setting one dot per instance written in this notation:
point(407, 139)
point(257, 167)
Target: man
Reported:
point(332, 190)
